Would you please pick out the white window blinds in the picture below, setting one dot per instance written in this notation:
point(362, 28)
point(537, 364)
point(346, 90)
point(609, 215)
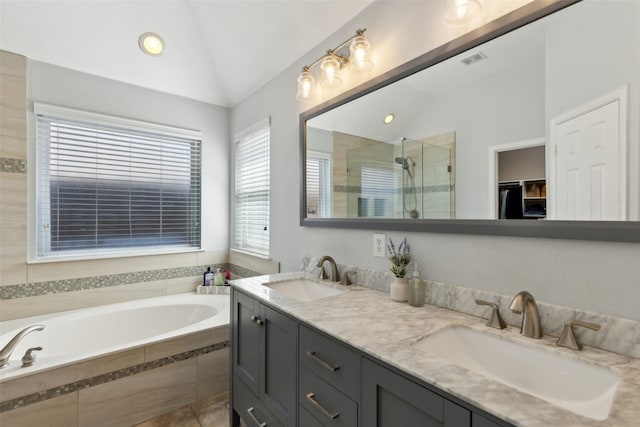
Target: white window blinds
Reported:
point(252, 189)
point(107, 185)
point(318, 185)
point(377, 191)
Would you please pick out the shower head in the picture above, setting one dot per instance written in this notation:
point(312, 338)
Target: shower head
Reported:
point(402, 161)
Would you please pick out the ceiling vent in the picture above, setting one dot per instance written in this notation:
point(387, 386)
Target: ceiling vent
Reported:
point(477, 57)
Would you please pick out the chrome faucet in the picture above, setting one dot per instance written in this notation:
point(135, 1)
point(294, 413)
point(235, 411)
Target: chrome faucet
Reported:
point(11, 345)
point(334, 268)
point(524, 303)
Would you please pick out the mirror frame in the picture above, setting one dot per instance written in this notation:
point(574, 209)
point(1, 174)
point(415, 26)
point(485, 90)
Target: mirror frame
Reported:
point(615, 231)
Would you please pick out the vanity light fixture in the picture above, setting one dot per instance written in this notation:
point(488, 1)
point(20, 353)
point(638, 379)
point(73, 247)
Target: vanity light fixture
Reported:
point(462, 11)
point(332, 64)
point(388, 118)
point(151, 43)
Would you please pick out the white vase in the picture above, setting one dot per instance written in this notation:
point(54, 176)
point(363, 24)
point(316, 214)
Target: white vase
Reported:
point(400, 289)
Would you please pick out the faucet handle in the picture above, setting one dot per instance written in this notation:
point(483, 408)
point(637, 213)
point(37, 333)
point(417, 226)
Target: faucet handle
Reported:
point(29, 358)
point(568, 338)
point(347, 278)
point(495, 320)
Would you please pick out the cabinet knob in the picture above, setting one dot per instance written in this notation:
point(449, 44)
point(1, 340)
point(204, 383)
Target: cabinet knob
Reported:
point(257, 320)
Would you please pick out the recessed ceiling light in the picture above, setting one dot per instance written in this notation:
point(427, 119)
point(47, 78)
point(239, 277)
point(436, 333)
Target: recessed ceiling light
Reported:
point(388, 118)
point(151, 44)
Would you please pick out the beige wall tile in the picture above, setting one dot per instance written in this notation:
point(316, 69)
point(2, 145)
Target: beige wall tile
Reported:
point(186, 343)
point(68, 374)
point(13, 94)
point(13, 252)
point(114, 294)
point(12, 124)
point(183, 284)
point(139, 397)
point(213, 373)
point(43, 304)
point(13, 64)
point(13, 148)
point(13, 198)
point(59, 411)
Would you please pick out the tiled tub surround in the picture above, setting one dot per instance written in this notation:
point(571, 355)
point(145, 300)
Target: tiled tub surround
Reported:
point(368, 320)
point(124, 384)
point(104, 289)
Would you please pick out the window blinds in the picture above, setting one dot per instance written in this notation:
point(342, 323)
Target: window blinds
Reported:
point(318, 185)
point(377, 191)
point(252, 190)
point(103, 188)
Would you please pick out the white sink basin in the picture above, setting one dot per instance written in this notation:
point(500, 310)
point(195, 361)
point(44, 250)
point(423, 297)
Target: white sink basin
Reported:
point(580, 387)
point(304, 289)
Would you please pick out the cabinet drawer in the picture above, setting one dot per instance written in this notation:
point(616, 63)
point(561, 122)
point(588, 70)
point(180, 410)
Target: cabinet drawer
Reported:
point(324, 402)
point(306, 419)
point(250, 409)
point(332, 361)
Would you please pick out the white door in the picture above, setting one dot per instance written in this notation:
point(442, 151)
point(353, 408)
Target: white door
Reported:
point(590, 154)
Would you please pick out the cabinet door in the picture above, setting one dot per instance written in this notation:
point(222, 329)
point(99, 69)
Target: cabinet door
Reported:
point(390, 400)
point(278, 342)
point(246, 341)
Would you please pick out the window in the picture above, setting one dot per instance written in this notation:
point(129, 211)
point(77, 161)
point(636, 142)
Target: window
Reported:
point(252, 189)
point(108, 185)
point(318, 184)
point(377, 191)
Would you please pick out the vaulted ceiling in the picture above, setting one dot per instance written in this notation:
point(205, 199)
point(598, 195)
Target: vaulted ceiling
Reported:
point(217, 51)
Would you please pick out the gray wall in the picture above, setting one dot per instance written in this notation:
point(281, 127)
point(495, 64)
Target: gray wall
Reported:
point(595, 276)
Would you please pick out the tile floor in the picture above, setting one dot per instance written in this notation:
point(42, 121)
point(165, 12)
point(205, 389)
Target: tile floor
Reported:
point(211, 412)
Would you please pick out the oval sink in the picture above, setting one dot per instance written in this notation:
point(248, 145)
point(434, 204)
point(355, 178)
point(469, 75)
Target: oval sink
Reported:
point(304, 289)
point(578, 386)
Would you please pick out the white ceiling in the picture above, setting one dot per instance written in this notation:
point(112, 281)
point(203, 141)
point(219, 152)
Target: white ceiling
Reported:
point(217, 51)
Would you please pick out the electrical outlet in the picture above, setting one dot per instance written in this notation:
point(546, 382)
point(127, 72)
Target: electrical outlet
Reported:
point(379, 245)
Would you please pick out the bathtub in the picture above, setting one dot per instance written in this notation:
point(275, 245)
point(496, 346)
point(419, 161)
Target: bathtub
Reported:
point(89, 347)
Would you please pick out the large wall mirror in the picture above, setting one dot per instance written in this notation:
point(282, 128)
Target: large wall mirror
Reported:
point(527, 126)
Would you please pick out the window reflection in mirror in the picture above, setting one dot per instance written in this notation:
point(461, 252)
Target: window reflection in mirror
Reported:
point(458, 147)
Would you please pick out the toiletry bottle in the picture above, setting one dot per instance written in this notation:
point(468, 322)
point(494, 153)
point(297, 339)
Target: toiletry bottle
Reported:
point(227, 277)
point(218, 280)
point(416, 288)
point(208, 277)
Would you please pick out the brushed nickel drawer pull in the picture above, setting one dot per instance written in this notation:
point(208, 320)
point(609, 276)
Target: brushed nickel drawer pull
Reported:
point(312, 355)
point(255, 420)
point(331, 416)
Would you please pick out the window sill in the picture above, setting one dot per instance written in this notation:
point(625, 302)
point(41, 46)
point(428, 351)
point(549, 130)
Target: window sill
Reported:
point(95, 257)
point(252, 254)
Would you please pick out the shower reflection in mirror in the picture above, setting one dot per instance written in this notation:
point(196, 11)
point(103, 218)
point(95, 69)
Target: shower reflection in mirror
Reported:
point(350, 176)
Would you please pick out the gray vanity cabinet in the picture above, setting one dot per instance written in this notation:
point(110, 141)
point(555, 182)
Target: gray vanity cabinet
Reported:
point(328, 381)
point(265, 344)
point(391, 400)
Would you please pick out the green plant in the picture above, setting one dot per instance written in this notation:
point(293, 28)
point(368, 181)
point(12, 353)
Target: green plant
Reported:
point(400, 258)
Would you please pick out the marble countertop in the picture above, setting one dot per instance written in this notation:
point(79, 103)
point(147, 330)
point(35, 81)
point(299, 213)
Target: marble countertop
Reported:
point(371, 322)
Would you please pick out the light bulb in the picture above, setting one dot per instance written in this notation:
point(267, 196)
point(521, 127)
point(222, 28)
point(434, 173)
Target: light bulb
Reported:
point(360, 53)
point(462, 11)
point(306, 85)
point(151, 44)
point(330, 69)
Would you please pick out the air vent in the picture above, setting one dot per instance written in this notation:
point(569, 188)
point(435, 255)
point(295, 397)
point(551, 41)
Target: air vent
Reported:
point(477, 57)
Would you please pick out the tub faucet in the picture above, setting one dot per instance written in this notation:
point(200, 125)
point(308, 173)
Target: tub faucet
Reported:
point(11, 345)
point(334, 268)
point(524, 303)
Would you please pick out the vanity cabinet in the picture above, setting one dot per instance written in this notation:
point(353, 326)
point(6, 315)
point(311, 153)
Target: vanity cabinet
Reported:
point(264, 352)
point(288, 374)
point(328, 380)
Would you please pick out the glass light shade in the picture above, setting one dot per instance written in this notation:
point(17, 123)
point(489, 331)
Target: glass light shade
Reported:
point(306, 86)
point(462, 11)
point(360, 54)
point(330, 67)
point(151, 44)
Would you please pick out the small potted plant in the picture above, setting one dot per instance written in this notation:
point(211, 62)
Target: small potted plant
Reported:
point(400, 259)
